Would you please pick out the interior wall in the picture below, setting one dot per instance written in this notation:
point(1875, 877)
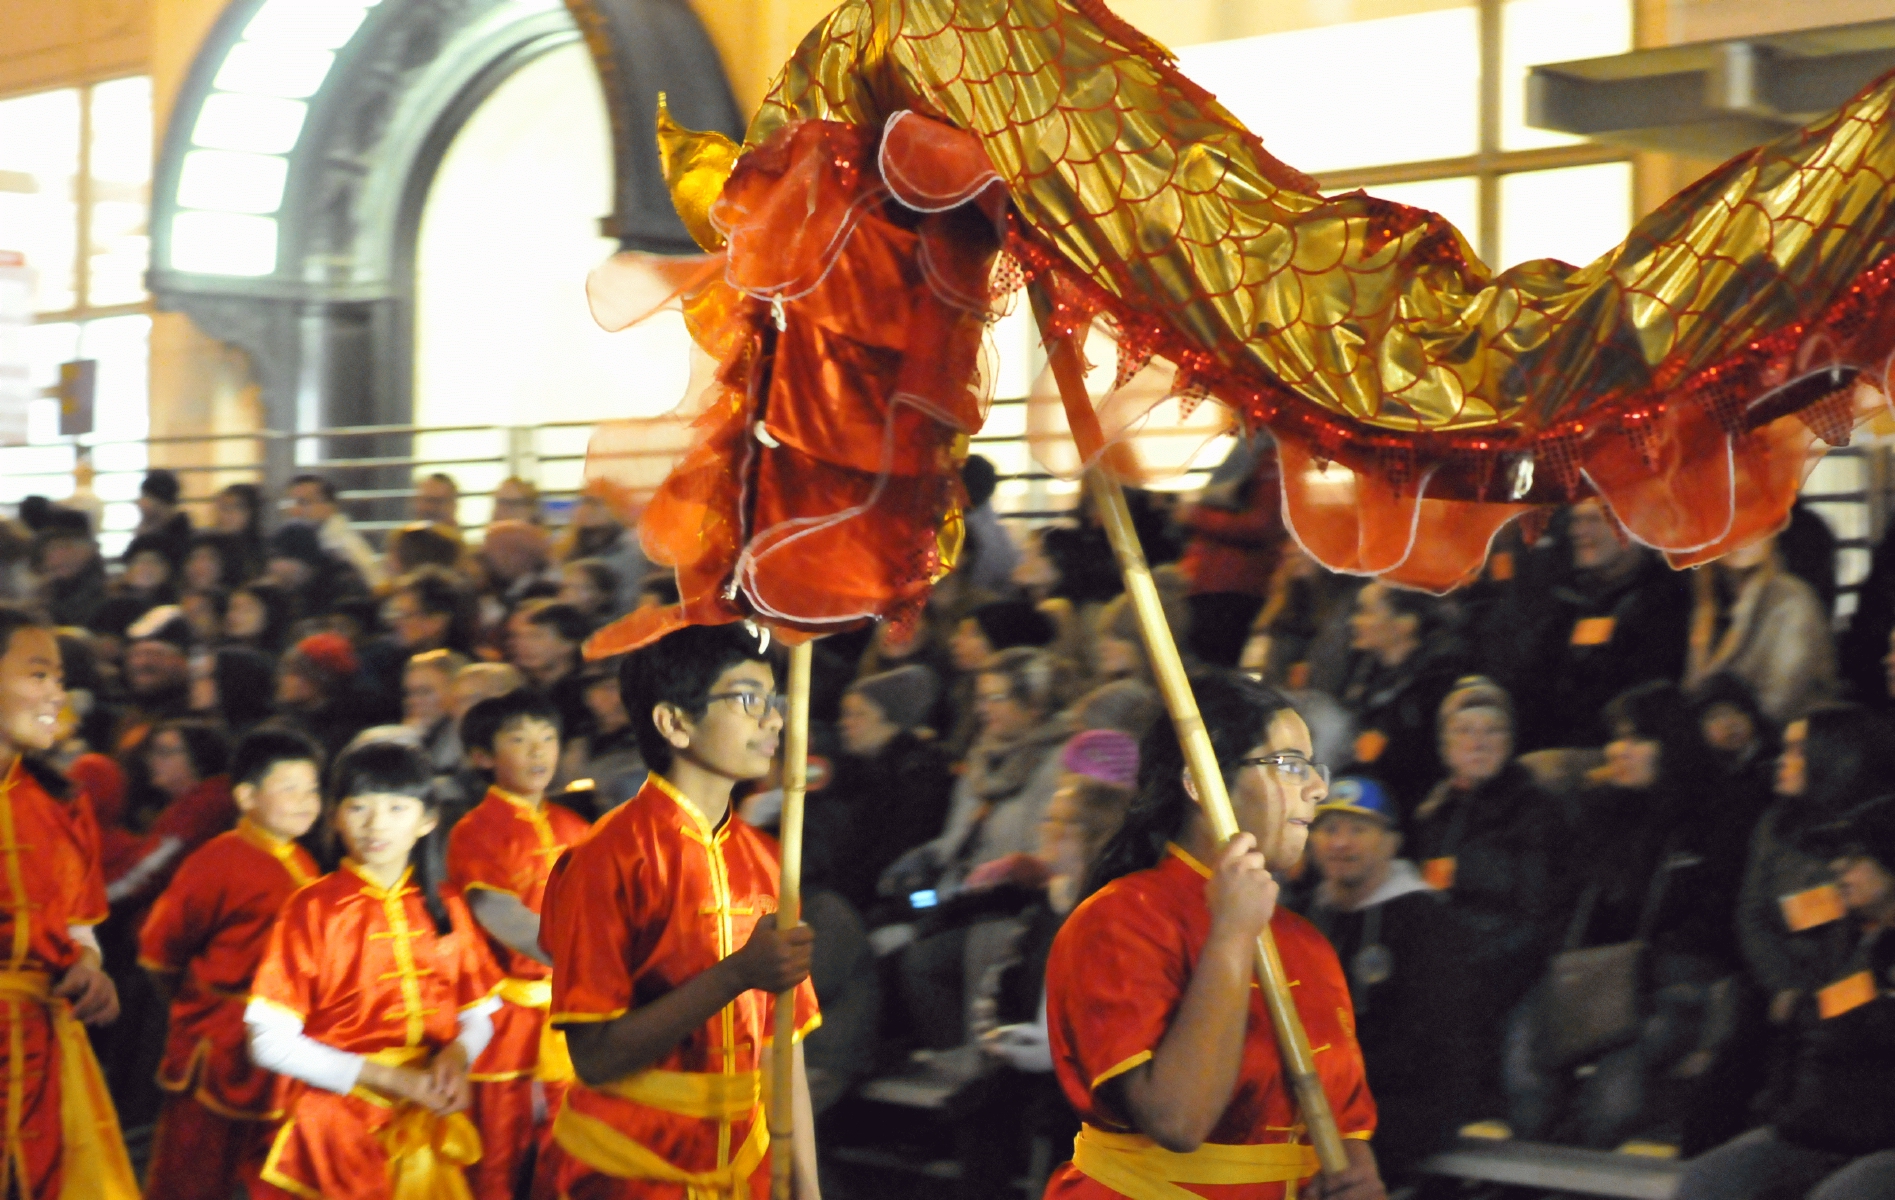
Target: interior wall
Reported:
point(511, 228)
point(57, 43)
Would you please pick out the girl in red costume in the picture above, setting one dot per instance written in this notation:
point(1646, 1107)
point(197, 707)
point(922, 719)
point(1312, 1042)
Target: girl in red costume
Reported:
point(1159, 1033)
point(372, 998)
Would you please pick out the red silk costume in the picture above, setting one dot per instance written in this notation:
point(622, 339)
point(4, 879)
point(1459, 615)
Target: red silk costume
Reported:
point(1115, 979)
point(209, 927)
point(508, 845)
point(364, 971)
point(652, 898)
point(62, 1134)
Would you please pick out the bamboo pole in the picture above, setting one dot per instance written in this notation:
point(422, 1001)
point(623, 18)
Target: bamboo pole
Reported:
point(789, 913)
point(1292, 1042)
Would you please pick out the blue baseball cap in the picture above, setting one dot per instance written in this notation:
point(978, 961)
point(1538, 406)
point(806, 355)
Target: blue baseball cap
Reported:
point(1358, 796)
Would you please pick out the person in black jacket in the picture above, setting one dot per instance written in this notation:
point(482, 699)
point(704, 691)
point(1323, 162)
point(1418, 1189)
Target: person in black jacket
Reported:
point(1402, 950)
point(1832, 1128)
point(889, 790)
point(1617, 618)
point(1406, 664)
point(1485, 838)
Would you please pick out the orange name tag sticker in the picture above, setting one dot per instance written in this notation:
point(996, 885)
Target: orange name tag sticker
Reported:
point(1846, 994)
point(1438, 873)
point(1500, 567)
point(1369, 745)
point(1807, 910)
point(1594, 631)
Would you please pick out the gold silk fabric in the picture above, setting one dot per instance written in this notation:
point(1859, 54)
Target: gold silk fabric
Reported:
point(1367, 333)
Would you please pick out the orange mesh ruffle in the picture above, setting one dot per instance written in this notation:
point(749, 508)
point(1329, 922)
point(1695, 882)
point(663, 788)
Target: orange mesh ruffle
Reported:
point(809, 484)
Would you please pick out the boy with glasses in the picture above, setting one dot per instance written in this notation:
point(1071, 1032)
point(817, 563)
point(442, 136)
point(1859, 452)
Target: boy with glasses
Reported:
point(666, 957)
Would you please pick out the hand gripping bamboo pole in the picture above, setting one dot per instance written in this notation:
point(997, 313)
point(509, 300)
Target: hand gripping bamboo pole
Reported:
point(789, 912)
point(1109, 497)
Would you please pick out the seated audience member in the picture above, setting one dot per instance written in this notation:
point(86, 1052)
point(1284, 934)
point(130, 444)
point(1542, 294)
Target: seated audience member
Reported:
point(299, 564)
point(237, 514)
point(313, 694)
point(1753, 619)
point(216, 560)
point(1831, 1134)
point(1287, 642)
point(920, 645)
point(72, 583)
point(157, 671)
point(437, 500)
point(1406, 662)
point(1118, 646)
point(544, 638)
point(1788, 923)
point(592, 587)
point(1399, 947)
point(427, 689)
point(888, 789)
point(996, 809)
point(236, 687)
point(1659, 860)
point(595, 533)
point(429, 609)
point(1125, 705)
point(185, 761)
point(1485, 837)
point(1619, 618)
point(512, 558)
point(415, 546)
point(609, 754)
point(260, 616)
point(146, 584)
point(161, 522)
point(312, 499)
point(206, 609)
point(517, 499)
point(1021, 1101)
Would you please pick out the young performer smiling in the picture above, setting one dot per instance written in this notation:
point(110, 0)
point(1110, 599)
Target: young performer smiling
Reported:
point(372, 998)
point(52, 978)
point(202, 943)
point(499, 856)
point(665, 956)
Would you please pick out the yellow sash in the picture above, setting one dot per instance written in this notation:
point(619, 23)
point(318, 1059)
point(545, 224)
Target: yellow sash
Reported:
point(93, 1149)
point(686, 1094)
point(426, 1153)
point(555, 1061)
point(1135, 1166)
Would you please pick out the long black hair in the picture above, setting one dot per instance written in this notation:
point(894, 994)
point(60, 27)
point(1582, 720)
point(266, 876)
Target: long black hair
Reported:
point(1848, 757)
point(1237, 710)
point(388, 766)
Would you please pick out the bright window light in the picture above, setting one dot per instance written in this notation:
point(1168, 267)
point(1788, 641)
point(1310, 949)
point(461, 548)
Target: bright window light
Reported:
point(1574, 214)
point(231, 182)
point(257, 124)
point(314, 24)
point(1542, 31)
point(216, 243)
point(1394, 89)
point(261, 70)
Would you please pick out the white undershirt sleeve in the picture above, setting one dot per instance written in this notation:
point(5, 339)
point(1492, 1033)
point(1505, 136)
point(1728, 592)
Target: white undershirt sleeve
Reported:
point(477, 1027)
point(84, 935)
point(277, 1043)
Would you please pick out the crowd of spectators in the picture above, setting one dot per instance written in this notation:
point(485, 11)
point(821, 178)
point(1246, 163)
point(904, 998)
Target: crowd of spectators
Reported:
point(1583, 760)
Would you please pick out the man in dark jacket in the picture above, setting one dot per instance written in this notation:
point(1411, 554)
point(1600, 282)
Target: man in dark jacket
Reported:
point(1832, 1129)
point(1621, 618)
point(1398, 944)
point(160, 520)
point(890, 789)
